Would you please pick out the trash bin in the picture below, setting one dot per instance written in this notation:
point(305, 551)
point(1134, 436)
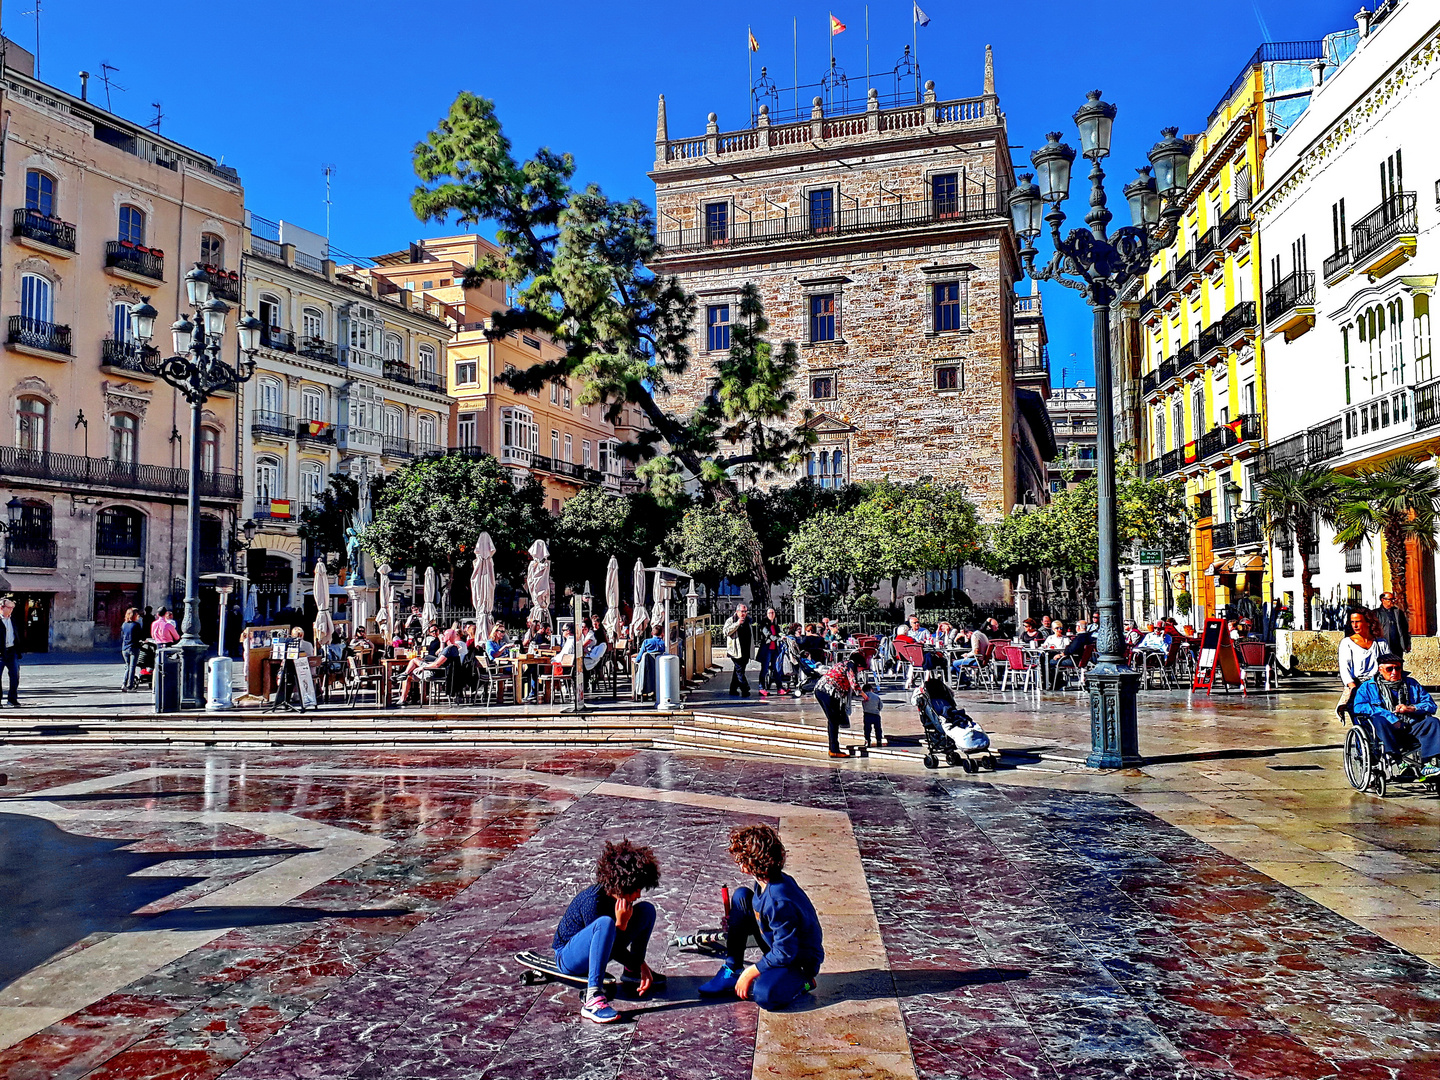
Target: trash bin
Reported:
point(167, 679)
point(219, 673)
point(667, 682)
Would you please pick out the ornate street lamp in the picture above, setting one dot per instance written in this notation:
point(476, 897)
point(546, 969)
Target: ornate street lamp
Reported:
point(197, 370)
point(1098, 266)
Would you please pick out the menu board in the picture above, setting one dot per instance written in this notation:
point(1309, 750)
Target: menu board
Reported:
point(1217, 651)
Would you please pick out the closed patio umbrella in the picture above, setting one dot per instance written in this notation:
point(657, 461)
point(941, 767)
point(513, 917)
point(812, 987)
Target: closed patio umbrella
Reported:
point(482, 586)
point(612, 596)
point(324, 624)
point(428, 612)
point(252, 604)
point(537, 581)
point(387, 601)
point(640, 616)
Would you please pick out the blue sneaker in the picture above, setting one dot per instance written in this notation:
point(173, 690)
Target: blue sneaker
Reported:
point(597, 1008)
point(723, 982)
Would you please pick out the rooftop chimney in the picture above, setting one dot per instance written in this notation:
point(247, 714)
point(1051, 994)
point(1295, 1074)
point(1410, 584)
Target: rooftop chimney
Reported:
point(84, 86)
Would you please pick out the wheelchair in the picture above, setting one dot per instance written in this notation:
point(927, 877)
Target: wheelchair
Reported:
point(1369, 768)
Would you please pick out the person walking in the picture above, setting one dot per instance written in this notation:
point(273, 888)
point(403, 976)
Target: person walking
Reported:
point(10, 649)
point(1358, 656)
point(1394, 625)
point(130, 648)
point(771, 634)
point(739, 643)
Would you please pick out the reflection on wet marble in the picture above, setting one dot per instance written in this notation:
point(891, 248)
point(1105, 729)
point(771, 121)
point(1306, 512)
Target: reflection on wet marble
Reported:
point(1020, 930)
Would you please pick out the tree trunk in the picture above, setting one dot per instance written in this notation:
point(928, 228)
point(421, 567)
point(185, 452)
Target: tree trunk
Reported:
point(1307, 591)
point(1398, 558)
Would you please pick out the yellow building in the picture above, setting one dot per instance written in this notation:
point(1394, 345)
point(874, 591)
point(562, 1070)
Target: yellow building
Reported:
point(1203, 367)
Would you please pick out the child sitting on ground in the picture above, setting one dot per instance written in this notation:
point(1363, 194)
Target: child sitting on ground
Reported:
point(779, 916)
point(609, 921)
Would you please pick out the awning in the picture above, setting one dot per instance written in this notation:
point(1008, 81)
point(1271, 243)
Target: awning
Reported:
point(1221, 566)
point(1249, 563)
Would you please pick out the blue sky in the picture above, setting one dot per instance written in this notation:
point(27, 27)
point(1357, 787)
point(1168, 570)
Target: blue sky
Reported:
point(287, 88)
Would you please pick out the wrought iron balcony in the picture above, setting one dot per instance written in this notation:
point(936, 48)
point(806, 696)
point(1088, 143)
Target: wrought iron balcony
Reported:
point(395, 446)
point(124, 355)
point(1326, 441)
point(1205, 245)
point(1149, 383)
point(36, 334)
point(34, 225)
point(315, 432)
point(37, 552)
point(1238, 322)
point(1382, 230)
point(1212, 340)
point(135, 259)
point(273, 337)
point(1248, 531)
point(399, 371)
point(430, 380)
point(1169, 462)
point(224, 283)
point(1214, 442)
point(1151, 468)
point(317, 348)
point(1164, 286)
point(103, 472)
point(1234, 218)
point(1185, 358)
point(1222, 536)
point(1184, 267)
point(1336, 265)
point(1288, 294)
point(263, 422)
point(1147, 304)
point(1427, 406)
point(1248, 428)
point(1165, 372)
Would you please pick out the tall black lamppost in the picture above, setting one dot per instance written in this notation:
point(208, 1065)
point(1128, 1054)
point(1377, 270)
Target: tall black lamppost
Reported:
point(1098, 267)
point(197, 370)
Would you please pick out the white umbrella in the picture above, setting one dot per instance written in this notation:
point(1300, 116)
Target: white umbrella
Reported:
point(428, 612)
point(612, 596)
point(482, 586)
point(640, 616)
point(252, 604)
point(324, 624)
point(387, 601)
point(537, 581)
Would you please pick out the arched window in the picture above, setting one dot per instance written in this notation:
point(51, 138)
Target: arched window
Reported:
point(837, 467)
point(120, 533)
point(312, 482)
point(268, 483)
point(120, 322)
point(132, 224)
point(272, 397)
point(1178, 411)
point(425, 433)
point(36, 304)
point(32, 424)
point(212, 250)
point(1198, 407)
point(123, 428)
point(427, 360)
point(40, 192)
point(312, 404)
point(270, 311)
point(394, 348)
point(209, 450)
point(312, 324)
point(1420, 309)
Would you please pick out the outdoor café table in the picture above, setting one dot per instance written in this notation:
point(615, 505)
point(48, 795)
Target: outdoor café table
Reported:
point(521, 663)
point(388, 667)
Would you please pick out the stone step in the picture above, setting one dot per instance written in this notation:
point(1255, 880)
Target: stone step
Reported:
point(698, 742)
point(745, 735)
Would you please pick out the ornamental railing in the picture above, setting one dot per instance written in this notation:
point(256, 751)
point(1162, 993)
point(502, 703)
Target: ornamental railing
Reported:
point(135, 258)
point(1393, 218)
point(75, 469)
point(34, 225)
point(38, 334)
point(1295, 291)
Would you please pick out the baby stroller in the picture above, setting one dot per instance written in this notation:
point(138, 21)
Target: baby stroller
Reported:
point(971, 751)
point(145, 666)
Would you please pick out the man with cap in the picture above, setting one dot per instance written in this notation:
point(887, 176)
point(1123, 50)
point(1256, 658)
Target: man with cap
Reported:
point(1402, 713)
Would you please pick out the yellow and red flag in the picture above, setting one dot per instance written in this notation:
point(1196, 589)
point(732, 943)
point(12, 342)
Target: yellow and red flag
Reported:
point(754, 45)
point(836, 26)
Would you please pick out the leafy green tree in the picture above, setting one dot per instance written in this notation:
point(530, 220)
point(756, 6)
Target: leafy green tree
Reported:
point(581, 259)
point(1288, 500)
point(712, 542)
point(594, 525)
point(1399, 501)
point(842, 546)
point(430, 513)
point(777, 514)
point(323, 522)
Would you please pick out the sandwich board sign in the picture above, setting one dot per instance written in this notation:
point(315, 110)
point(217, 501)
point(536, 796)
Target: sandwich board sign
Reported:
point(1217, 651)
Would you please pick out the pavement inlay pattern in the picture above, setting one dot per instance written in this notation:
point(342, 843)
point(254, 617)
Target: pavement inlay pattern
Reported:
point(355, 914)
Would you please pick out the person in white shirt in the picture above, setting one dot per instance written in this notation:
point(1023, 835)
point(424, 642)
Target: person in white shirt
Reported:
point(979, 643)
point(1157, 640)
point(10, 649)
point(1057, 638)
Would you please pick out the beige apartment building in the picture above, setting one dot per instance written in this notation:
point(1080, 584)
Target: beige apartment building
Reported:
point(350, 380)
point(99, 213)
point(549, 433)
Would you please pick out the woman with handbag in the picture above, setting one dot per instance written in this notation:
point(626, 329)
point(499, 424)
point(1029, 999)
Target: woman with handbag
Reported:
point(833, 692)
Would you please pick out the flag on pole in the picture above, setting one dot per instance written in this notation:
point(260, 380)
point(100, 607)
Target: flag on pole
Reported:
point(754, 45)
point(921, 18)
point(836, 26)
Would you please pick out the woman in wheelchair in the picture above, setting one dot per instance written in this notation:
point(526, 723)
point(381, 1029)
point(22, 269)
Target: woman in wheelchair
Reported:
point(1401, 715)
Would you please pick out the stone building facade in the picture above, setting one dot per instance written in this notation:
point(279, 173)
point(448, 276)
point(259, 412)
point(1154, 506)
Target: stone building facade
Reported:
point(100, 212)
point(881, 245)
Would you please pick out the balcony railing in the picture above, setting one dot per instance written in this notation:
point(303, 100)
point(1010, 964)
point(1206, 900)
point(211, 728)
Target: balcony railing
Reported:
point(395, 446)
point(135, 259)
point(30, 551)
point(1232, 219)
point(397, 371)
point(1248, 428)
point(1164, 286)
point(1184, 267)
point(34, 225)
point(315, 432)
point(1212, 340)
point(318, 349)
point(1238, 321)
point(120, 354)
point(273, 337)
point(1147, 303)
point(891, 216)
point(1185, 358)
point(430, 380)
point(1169, 462)
point(1392, 219)
point(1354, 560)
point(263, 422)
point(1427, 406)
point(1295, 291)
point(1335, 263)
point(74, 469)
point(1384, 417)
point(1248, 531)
point(224, 283)
point(1149, 383)
point(1222, 536)
point(1205, 245)
point(1152, 468)
point(36, 334)
point(1165, 372)
point(1326, 441)
point(1214, 442)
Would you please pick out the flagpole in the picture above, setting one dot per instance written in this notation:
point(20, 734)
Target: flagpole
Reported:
point(795, 56)
point(867, 50)
point(750, 71)
point(915, 43)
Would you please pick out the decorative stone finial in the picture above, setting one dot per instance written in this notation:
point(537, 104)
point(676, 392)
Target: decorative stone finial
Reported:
point(817, 109)
point(872, 94)
point(712, 124)
point(662, 131)
point(989, 70)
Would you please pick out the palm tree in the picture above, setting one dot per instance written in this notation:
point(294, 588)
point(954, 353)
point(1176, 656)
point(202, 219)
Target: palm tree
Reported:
point(1400, 501)
point(1288, 501)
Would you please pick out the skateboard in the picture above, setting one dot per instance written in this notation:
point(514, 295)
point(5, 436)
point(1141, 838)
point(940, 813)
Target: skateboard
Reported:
point(540, 969)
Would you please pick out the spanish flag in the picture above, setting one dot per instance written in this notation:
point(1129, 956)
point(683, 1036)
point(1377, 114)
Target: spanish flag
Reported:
point(754, 45)
point(836, 26)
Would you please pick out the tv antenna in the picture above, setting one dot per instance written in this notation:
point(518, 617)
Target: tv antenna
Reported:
point(154, 125)
point(105, 69)
point(36, 13)
point(329, 171)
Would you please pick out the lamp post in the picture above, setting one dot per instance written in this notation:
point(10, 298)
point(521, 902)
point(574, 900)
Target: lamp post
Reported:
point(197, 370)
point(1098, 266)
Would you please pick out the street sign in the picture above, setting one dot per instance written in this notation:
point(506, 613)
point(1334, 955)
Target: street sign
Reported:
point(1151, 556)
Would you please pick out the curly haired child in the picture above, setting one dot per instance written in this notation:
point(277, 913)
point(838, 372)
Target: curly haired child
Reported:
point(608, 921)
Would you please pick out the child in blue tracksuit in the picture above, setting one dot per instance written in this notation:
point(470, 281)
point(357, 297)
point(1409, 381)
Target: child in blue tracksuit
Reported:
point(609, 921)
point(779, 916)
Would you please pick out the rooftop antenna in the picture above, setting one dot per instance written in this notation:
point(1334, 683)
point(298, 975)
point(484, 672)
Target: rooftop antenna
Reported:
point(105, 69)
point(329, 171)
point(154, 125)
point(36, 13)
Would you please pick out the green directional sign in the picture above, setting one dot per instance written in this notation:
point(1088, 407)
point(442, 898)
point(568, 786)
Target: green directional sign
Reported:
point(1151, 556)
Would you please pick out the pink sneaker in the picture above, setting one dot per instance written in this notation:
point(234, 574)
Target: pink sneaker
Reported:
point(764, 693)
point(783, 693)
